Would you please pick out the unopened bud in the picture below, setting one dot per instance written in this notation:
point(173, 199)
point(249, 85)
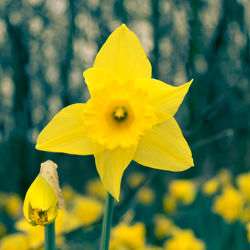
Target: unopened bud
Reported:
point(43, 197)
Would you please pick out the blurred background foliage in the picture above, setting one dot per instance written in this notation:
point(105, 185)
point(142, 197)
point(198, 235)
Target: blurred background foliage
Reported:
point(46, 45)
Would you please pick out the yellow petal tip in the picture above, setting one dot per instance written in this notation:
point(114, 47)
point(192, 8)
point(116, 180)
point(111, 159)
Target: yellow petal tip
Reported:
point(38, 147)
point(124, 26)
point(191, 81)
point(117, 197)
point(123, 29)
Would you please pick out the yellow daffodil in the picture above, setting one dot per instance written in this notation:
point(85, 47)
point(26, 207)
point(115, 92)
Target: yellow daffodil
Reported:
point(153, 248)
point(135, 179)
point(183, 190)
point(128, 117)
point(163, 226)
point(210, 187)
point(184, 240)
point(88, 210)
point(125, 236)
point(146, 196)
point(13, 205)
point(245, 214)
point(169, 203)
point(3, 229)
point(224, 177)
point(66, 221)
point(16, 241)
point(229, 204)
point(41, 203)
point(95, 188)
point(68, 193)
point(35, 235)
point(248, 231)
point(243, 182)
point(3, 199)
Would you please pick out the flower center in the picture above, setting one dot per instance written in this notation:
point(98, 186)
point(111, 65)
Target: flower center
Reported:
point(120, 113)
point(38, 216)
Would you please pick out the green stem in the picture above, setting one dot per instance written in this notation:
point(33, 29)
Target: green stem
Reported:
point(107, 222)
point(49, 239)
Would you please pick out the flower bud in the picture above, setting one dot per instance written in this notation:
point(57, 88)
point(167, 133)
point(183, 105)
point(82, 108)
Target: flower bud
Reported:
point(40, 204)
point(43, 197)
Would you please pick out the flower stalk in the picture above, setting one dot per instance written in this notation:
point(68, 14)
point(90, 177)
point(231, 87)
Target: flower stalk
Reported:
point(49, 237)
point(107, 222)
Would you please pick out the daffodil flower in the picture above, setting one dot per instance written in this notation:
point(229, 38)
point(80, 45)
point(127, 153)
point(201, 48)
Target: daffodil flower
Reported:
point(128, 117)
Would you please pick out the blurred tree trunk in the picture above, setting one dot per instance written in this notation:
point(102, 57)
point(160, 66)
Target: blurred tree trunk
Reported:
point(156, 37)
point(22, 113)
point(194, 50)
point(120, 11)
point(66, 63)
point(243, 135)
point(103, 24)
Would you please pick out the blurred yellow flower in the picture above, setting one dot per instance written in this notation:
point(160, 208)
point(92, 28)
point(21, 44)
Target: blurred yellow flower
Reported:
point(225, 177)
point(88, 210)
point(66, 221)
point(245, 214)
point(229, 204)
point(163, 226)
point(128, 117)
point(13, 205)
point(68, 193)
point(124, 236)
point(135, 179)
point(35, 235)
point(184, 240)
point(243, 182)
point(3, 229)
point(41, 203)
point(183, 190)
point(128, 216)
point(95, 188)
point(210, 187)
point(248, 231)
point(16, 241)
point(153, 248)
point(169, 203)
point(146, 196)
point(3, 198)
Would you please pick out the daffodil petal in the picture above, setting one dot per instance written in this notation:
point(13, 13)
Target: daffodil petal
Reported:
point(111, 164)
point(26, 206)
point(123, 56)
point(95, 77)
point(163, 96)
point(66, 133)
point(164, 147)
point(41, 195)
